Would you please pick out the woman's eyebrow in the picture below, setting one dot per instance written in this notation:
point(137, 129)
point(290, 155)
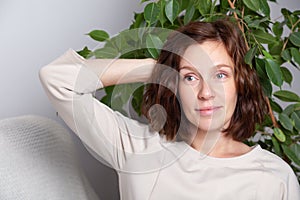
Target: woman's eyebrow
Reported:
point(224, 65)
point(188, 68)
point(195, 70)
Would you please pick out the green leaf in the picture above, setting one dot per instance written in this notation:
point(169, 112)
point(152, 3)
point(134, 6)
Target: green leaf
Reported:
point(291, 154)
point(99, 35)
point(264, 8)
point(154, 44)
point(141, 32)
point(86, 53)
point(278, 59)
point(275, 106)
point(274, 72)
point(162, 17)
point(137, 99)
point(120, 94)
point(285, 12)
point(256, 23)
point(172, 10)
point(296, 55)
point(151, 13)
point(279, 134)
point(139, 19)
point(291, 108)
point(126, 41)
point(120, 42)
point(297, 108)
point(263, 77)
point(277, 29)
point(260, 68)
point(286, 122)
point(259, 6)
point(267, 54)
point(296, 119)
point(263, 37)
point(295, 38)
point(296, 149)
point(190, 11)
point(126, 91)
point(286, 55)
point(106, 52)
point(107, 98)
point(118, 104)
point(250, 55)
point(296, 12)
point(286, 75)
point(267, 86)
point(286, 95)
point(184, 4)
point(163, 35)
point(275, 48)
point(224, 5)
point(109, 89)
point(290, 19)
point(204, 7)
point(276, 146)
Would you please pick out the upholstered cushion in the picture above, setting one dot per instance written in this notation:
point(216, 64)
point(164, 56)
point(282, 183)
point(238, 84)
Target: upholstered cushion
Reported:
point(38, 161)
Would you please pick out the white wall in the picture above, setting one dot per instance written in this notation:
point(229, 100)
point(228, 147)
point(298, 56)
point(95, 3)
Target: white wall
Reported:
point(34, 32)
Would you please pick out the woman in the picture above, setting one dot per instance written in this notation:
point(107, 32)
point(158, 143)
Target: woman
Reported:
point(202, 102)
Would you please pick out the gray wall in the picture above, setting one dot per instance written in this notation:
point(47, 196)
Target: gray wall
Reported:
point(34, 32)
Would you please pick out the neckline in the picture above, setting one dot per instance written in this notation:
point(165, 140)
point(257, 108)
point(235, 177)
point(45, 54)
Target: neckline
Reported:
point(193, 153)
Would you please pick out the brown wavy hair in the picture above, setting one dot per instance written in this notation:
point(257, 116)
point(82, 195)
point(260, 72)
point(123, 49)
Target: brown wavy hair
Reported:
point(162, 89)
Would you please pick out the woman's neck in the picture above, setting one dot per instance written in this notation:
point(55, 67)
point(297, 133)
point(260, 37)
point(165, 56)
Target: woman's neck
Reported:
point(217, 144)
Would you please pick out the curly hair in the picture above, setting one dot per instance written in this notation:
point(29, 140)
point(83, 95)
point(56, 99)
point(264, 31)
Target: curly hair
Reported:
point(251, 107)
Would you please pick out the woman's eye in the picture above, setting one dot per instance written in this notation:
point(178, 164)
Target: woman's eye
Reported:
point(190, 78)
point(221, 75)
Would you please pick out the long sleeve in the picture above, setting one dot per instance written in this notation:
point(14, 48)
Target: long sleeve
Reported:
point(280, 174)
point(293, 187)
point(69, 84)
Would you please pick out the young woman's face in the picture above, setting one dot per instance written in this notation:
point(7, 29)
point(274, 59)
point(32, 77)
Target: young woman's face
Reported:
point(206, 86)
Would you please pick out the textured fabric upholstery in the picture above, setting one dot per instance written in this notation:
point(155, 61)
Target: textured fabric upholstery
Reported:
point(38, 162)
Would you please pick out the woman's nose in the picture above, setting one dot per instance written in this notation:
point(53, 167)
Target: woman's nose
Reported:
point(205, 91)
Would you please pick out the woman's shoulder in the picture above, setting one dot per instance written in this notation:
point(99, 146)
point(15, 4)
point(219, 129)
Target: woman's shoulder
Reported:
point(274, 164)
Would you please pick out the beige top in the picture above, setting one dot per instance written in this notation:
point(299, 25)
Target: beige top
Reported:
point(148, 166)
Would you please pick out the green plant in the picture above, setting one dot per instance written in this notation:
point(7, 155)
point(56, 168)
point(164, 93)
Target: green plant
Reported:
point(272, 52)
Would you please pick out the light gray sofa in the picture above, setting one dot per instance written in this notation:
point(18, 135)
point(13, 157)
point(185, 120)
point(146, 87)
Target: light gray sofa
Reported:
point(39, 161)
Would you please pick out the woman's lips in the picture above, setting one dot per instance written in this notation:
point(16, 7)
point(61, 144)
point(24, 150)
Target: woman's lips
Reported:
point(208, 111)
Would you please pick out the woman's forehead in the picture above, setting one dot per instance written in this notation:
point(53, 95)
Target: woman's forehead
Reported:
point(209, 54)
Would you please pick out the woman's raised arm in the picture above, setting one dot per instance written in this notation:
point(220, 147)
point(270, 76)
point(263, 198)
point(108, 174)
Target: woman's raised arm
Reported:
point(70, 82)
point(118, 71)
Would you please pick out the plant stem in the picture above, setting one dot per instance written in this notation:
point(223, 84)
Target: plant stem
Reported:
point(235, 15)
point(238, 21)
point(275, 124)
point(292, 30)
